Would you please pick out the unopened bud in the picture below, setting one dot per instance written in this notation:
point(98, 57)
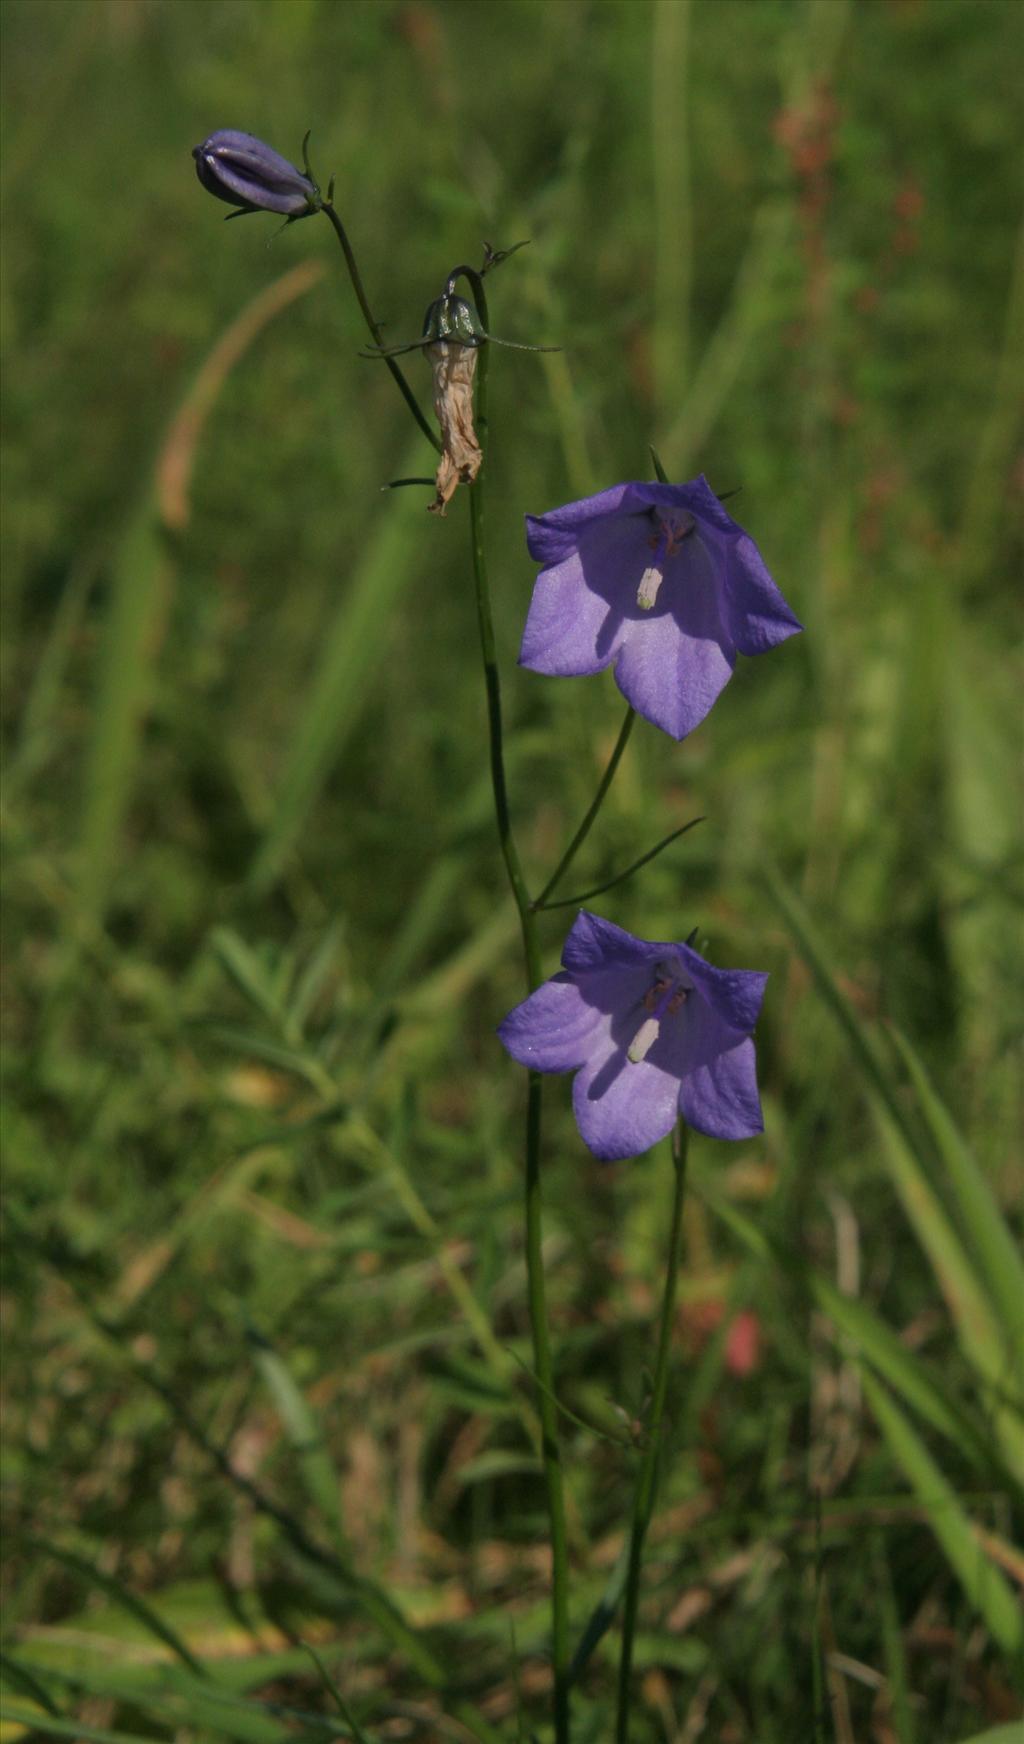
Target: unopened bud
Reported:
point(239, 169)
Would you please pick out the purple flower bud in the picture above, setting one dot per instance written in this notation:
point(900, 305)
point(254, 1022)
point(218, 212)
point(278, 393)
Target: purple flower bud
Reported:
point(239, 169)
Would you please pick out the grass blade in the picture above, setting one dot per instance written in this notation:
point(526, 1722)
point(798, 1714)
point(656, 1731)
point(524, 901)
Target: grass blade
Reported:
point(138, 1608)
point(141, 584)
point(979, 1211)
point(35, 1720)
point(985, 1587)
point(354, 646)
point(903, 1371)
point(303, 1431)
point(977, 1327)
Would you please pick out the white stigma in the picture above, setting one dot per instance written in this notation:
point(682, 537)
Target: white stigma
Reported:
point(643, 1041)
point(647, 592)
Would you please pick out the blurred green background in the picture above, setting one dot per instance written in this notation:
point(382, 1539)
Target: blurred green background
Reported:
point(262, 1150)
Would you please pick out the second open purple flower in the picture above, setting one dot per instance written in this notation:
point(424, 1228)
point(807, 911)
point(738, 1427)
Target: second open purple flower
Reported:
point(659, 580)
point(652, 1032)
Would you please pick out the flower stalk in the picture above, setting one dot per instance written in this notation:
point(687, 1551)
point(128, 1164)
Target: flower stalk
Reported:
point(596, 803)
point(647, 1480)
point(329, 208)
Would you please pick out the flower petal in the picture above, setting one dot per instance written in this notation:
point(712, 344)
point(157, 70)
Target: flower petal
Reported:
point(575, 622)
point(670, 676)
point(734, 995)
point(570, 630)
point(594, 944)
point(755, 611)
point(551, 537)
point(623, 1108)
point(719, 1096)
point(555, 1029)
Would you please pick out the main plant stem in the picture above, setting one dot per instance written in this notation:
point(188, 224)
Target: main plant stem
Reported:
point(536, 1292)
point(647, 1482)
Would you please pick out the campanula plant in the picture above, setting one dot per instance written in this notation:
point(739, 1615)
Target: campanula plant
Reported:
point(657, 580)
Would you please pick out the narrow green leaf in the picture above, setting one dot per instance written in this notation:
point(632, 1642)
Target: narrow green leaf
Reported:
point(498, 1463)
point(895, 1652)
point(25, 1683)
point(874, 1340)
point(994, 1246)
point(139, 589)
point(314, 978)
point(144, 1613)
point(142, 580)
point(602, 1616)
point(985, 1586)
point(304, 1433)
point(977, 1328)
point(904, 1371)
point(343, 1708)
point(247, 970)
point(36, 1720)
point(353, 647)
point(1011, 1734)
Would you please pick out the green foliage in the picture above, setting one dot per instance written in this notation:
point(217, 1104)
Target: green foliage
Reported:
point(271, 1463)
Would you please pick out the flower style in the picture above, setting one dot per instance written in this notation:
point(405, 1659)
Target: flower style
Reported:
point(651, 1031)
point(661, 580)
point(240, 169)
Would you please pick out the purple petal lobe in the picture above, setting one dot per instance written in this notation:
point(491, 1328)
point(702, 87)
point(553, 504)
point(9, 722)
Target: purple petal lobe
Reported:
point(734, 995)
point(555, 1029)
point(623, 1108)
point(549, 537)
point(757, 615)
point(570, 630)
point(673, 681)
point(594, 944)
point(719, 1096)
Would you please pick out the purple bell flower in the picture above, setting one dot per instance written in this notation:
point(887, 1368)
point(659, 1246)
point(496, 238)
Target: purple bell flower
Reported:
point(240, 169)
point(659, 579)
point(651, 1031)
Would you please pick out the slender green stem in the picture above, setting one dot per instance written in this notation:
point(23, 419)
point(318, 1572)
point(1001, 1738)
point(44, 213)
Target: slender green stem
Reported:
point(620, 877)
point(551, 1456)
point(595, 805)
point(647, 1481)
point(378, 338)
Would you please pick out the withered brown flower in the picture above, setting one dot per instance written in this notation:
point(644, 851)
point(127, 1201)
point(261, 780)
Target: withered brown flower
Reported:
point(454, 368)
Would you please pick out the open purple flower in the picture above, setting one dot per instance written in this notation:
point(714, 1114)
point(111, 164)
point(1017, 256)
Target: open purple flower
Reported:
point(659, 579)
point(651, 1031)
point(240, 169)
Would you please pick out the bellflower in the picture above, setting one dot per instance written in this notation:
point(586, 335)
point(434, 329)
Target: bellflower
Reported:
point(240, 169)
point(651, 1031)
point(660, 580)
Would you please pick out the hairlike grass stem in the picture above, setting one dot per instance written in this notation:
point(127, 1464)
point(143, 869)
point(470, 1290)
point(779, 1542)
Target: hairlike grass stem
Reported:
point(375, 330)
point(536, 1293)
point(647, 1479)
